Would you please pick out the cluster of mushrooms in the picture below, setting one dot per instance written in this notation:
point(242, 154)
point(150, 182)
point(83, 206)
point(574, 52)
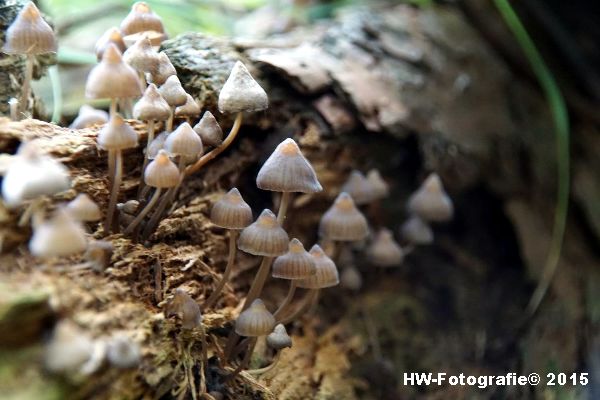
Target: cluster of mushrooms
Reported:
point(130, 68)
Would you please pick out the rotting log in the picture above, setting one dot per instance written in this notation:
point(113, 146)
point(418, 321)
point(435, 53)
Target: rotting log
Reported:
point(401, 89)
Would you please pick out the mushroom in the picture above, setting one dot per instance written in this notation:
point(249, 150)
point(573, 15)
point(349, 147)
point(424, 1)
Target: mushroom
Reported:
point(296, 264)
point(164, 70)
point(209, 130)
point(343, 221)
point(29, 35)
point(122, 352)
point(350, 278)
point(112, 35)
point(384, 251)
point(241, 93)
point(416, 231)
point(361, 190)
point(89, 116)
point(142, 57)
point(190, 110)
point(430, 202)
point(98, 255)
point(277, 340)
point(175, 95)
point(84, 209)
point(112, 79)
point(234, 214)
point(161, 173)
point(286, 171)
point(142, 21)
point(380, 187)
point(69, 349)
point(59, 236)
point(326, 276)
point(115, 137)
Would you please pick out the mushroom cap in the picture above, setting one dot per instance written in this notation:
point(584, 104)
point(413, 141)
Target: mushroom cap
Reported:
point(112, 35)
point(157, 145)
point(59, 236)
point(209, 130)
point(327, 273)
point(31, 174)
point(231, 211)
point(430, 201)
point(82, 208)
point(99, 253)
point(350, 278)
point(142, 56)
point(156, 38)
point(279, 338)
point(68, 349)
point(186, 308)
point(89, 116)
point(29, 33)
point(173, 92)
point(184, 142)
point(241, 92)
point(164, 71)
point(117, 135)
point(297, 263)
point(161, 172)
point(141, 19)
point(287, 170)
point(122, 351)
point(255, 321)
point(380, 187)
point(384, 251)
point(264, 237)
point(152, 106)
point(416, 231)
point(343, 221)
point(190, 109)
point(359, 188)
point(112, 78)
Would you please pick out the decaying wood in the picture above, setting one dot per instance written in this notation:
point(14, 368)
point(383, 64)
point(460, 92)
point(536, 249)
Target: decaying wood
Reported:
point(400, 89)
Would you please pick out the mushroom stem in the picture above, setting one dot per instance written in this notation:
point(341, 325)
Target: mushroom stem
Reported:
point(264, 370)
point(13, 105)
point(170, 120)
point(151, 126)
point(245, 361)
point(225, 278)
point(288, 299)
point(259, 281)
point(217, 150)
point(204, 364)
point(305, 304)
point(112, 203)
point(113, 106)
point(283, 206)
point(24, 102)
point(143, 213)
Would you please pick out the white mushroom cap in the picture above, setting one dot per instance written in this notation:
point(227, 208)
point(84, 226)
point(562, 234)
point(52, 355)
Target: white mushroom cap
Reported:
point(59, 236)
point(82, 208)
point(241, 92)
point(31, 174)
point(69, 349)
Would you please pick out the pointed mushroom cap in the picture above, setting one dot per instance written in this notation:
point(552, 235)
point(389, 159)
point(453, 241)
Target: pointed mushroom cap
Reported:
point(189, 109)
point(82, 208)
point(327, 273)
point(59, 236)
point(209, 130)
point(161, 172)
point(112, 78)
point(255, 321)
point(112, 35)
point(117, 135)
point(297, 263)
point(165, 69)
point(359, 188)
point(384, 251)
point(279, 338)
point(157, 145)
point(68, 349)
point(141, 19)
point(416, 231)
point(29, 33)
point(265, 237)
point(430, 201)
point(186, 308)
point(122, 351)
point(31, 174)
point(231, 211)
point(89, 116)
point(152, 106)
point(241, 92)
point(173, 92)
point(380, 187)
point(142, 56)
point(343, 221)
point(287, 170)
point(350, 278)
point(184, 142)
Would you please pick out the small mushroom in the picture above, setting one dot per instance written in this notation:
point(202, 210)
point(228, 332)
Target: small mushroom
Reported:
point(416, 231)
point(343, 221)
point(164, 70)
point(59, 236)
point(112, 35)
point(190, 110)
point(350, 278)
point(29, 35)
point(234, 214)
point(384, 251)
point(69, 349)
point(84, 209)
point(175, 95)
point(89, 116)
point(380, 187)
point(142, 21)
point(142, 57)
point(122, 352)
point(186, 309)
point(357, 186)
point(98, 255)
point(209, 130)
point(430, 201)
